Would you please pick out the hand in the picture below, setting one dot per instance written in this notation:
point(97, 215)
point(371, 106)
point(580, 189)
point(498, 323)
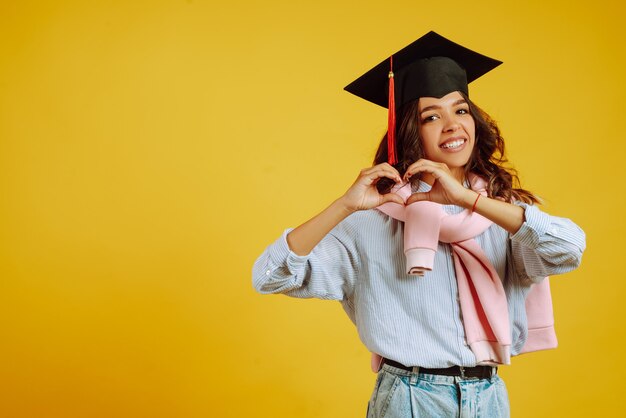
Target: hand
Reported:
point(363, 193)
point(446, 189)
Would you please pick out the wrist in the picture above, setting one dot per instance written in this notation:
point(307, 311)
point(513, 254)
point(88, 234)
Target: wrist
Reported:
point(469, 199)
point(343, 207)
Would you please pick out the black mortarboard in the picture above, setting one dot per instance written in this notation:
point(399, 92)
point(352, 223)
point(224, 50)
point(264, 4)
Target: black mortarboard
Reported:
point(432, 66)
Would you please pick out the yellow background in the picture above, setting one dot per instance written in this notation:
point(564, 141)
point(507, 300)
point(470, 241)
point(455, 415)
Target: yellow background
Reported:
point(150, 150)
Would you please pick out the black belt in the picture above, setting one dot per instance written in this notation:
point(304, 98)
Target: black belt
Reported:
point(481, 372)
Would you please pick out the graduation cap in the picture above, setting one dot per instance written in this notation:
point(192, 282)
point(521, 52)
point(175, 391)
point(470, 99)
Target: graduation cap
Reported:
point(432, 66)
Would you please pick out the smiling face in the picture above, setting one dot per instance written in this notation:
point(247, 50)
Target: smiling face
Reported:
point(447, 130)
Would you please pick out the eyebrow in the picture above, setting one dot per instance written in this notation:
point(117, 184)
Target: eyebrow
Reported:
point(434, 107)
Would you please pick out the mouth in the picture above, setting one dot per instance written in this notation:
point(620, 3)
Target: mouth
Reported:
point(453, 143)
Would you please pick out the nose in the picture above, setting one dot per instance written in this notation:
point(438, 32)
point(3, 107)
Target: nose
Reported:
point(451, 124)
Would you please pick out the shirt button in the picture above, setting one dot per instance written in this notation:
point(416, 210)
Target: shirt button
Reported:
point(268, 272)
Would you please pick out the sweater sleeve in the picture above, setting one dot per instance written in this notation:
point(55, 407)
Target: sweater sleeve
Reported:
point(546, 245)
point(328, 272)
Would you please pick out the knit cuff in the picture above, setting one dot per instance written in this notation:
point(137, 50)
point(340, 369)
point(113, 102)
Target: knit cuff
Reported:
point(540, 339)
point(419, 260)
point(491, 352)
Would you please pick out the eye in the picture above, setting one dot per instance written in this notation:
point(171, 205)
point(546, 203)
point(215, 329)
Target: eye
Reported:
point(462, 111)
point(430, 118)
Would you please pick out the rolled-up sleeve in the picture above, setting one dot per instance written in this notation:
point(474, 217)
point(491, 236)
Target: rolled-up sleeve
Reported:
point(546, 245)
point(328, 272)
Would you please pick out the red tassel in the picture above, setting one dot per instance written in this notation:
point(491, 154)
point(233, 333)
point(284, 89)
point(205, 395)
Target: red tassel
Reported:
point(391, 125)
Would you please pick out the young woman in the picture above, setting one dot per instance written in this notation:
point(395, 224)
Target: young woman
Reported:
point(436, 339)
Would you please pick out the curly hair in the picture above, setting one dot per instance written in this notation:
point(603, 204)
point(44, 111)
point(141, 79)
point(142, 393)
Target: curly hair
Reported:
point(487, 160)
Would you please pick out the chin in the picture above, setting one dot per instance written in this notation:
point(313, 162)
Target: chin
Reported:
point(455, 163)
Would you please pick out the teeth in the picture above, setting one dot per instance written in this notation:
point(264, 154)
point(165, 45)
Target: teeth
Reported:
point(453, 144)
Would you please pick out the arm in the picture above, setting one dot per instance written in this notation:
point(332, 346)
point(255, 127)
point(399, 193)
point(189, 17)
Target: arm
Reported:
point(327, 272)
point(510, 217)
point(449, 191)
point(305, 237)
point(361, 195)
point(542, 245)
point(546, 245)
point(319, 258)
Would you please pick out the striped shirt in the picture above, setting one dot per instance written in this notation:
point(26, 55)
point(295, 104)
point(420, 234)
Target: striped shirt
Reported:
point(417, 320)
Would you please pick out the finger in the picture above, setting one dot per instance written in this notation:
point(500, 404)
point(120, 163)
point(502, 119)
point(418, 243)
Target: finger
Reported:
point(423, 168)
point(418, 197)
point(392, 168)
point(378, 172)
point(383, 166)
point(372, 178)
point(391, 197)
point(422, 162)
point(393, 173)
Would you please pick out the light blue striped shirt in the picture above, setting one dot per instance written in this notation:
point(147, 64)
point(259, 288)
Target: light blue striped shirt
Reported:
point(417, 320)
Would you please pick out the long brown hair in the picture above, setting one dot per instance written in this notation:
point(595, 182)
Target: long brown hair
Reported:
point(487, 160)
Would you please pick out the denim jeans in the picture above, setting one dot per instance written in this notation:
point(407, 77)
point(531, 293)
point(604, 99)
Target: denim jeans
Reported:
point(402, 394)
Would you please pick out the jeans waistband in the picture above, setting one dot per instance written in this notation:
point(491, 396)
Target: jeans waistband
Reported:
point(480, 372)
